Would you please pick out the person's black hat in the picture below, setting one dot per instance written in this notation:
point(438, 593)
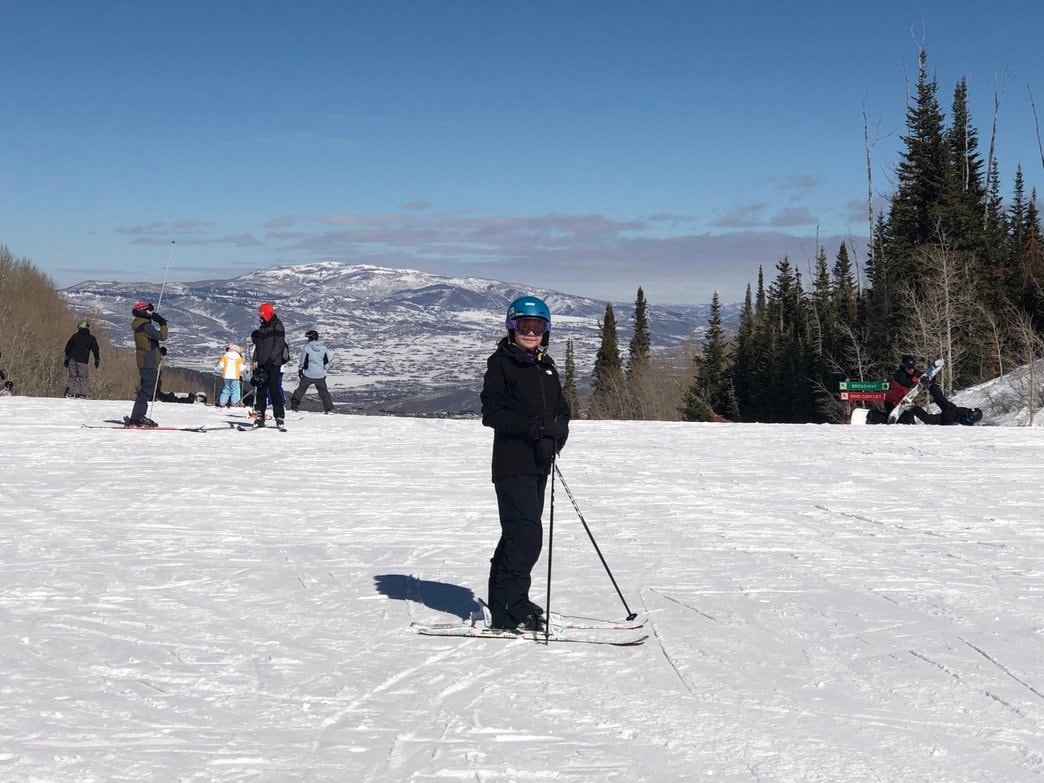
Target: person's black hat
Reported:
point(908, 362)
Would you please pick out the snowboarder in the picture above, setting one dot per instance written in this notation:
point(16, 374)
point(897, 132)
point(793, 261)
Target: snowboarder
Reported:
point(230, 366)
point(78, 352)
point(522, 401)
point(312, 370)
point(270, 354)
point(906, 377)
point(147, 352)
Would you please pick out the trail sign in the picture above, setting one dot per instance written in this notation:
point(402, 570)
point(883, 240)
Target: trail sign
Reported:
point(862, 396)
point(864, 386)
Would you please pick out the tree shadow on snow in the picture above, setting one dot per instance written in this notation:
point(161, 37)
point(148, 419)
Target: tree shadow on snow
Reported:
point(442, 597)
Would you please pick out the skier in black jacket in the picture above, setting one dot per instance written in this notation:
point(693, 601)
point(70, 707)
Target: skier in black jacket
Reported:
point(522, 401)
point(270, 354)
point(78, 352)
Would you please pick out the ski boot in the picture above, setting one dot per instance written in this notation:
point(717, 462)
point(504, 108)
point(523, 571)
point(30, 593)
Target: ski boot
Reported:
point(259, 422)
point(144, 422)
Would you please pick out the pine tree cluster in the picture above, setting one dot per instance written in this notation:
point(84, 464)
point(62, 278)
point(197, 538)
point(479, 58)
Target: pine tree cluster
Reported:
point(951, 273)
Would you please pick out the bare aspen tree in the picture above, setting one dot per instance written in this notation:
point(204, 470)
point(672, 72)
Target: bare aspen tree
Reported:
point(998, 93)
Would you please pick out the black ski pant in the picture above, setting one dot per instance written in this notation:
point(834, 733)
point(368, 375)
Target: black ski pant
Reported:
point(274, 385)
point(917, 412)
point(302, 390)
point(520, 501)
point(146, 390)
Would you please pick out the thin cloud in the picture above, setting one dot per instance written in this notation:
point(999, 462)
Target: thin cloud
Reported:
point(237, 240)
point(418, 206)
point(744, 216)
point(794, 216)
point(177, 228)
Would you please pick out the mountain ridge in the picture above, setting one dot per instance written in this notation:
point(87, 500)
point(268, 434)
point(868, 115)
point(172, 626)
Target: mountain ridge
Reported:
point(402, 339)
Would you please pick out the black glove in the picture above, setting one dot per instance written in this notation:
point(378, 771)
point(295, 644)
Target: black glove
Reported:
point(66, 364)
point(158, 319)
point(556, 429)
point(300, 373)
point(535, 427)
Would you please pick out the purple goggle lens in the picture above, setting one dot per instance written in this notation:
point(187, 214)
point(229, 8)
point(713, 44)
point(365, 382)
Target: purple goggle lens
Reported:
point(534, 326)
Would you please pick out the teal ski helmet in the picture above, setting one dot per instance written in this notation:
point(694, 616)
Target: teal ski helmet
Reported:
point(528, 307)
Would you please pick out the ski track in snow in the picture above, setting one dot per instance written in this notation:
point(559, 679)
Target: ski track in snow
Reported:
point(824, 603)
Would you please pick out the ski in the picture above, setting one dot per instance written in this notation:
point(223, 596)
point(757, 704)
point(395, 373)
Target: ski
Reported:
point(908, 399)
point(562, 621)
point(249, 427)
point(466, 630)
point(161, 429)
point(594, 623)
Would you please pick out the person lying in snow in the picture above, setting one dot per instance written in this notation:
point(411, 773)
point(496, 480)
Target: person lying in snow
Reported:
point(906, 376)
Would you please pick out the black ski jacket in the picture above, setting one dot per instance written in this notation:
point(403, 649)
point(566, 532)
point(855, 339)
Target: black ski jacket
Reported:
point(80, 347)
point(519, 391)
point(270, 346)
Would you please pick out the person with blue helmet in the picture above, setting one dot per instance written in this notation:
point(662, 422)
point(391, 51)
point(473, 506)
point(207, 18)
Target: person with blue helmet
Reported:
point(522, 401)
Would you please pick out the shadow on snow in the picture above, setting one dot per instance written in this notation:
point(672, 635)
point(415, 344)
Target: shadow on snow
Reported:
point(442, 597)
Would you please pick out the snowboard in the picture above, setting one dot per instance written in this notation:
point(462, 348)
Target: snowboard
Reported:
point(908, 399)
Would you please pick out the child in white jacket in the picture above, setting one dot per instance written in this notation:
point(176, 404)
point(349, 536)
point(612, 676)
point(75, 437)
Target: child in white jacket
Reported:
point(230, 367)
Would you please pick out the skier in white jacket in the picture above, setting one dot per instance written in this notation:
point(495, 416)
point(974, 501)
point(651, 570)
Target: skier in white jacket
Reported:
point(312, 370)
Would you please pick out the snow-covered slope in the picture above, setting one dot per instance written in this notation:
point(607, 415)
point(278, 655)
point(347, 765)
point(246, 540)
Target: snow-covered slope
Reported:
point(825, 603)
point(402, 338)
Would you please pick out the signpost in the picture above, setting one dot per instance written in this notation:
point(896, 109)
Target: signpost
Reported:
point(861, 391)
point(862, 396)
point(877, 386)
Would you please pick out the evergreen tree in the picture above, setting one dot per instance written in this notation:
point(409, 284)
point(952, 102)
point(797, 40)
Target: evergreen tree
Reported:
point(965, 197)
point(710, 393)
point(569, 384)
point(607, 388)
point(641, 342)
point(743, 372)
point(916, 208)
point(638, 362)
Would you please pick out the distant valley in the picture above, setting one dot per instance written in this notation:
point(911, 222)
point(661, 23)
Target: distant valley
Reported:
point(403, 341)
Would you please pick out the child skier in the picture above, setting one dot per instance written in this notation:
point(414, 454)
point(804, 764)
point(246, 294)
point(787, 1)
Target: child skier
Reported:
point(230, 366)
point(312, 370)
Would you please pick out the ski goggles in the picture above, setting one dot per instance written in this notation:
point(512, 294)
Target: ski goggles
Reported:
point(529, 325)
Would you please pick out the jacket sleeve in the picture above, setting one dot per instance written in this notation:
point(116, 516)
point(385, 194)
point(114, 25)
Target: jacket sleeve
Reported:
point(94, 350)
point(496, 412)
point(68, 346)
point(150, 330)
point(279, 344)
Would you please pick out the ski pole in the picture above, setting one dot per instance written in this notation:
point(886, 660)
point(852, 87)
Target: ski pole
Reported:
point(550, 551)
point(159, 303)
point(630, 615)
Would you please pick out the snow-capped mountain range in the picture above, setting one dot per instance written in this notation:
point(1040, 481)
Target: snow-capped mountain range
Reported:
point(402, 340)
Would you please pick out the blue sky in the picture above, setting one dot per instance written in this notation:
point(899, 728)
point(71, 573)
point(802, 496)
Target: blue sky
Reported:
point(590, 147)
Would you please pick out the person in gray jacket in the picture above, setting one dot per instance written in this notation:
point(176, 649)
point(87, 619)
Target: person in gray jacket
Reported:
point(312, 370)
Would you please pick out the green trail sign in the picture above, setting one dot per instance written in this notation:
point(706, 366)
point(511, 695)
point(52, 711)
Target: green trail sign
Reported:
point(864, 385)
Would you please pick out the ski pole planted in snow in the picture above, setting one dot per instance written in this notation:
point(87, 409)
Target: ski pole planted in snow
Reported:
point(550, 551)
point(630, 615)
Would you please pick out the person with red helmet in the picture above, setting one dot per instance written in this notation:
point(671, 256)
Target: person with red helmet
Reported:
point(147, 338)
point(270, 354)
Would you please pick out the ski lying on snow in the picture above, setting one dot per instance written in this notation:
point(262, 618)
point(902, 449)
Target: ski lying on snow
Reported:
point(485, 617)
point(467, 630)
point(594, 623)
point(249, 427)
point(162, 429)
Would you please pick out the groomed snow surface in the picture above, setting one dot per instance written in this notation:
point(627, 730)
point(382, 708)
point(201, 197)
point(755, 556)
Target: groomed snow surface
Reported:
point(825, 603)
